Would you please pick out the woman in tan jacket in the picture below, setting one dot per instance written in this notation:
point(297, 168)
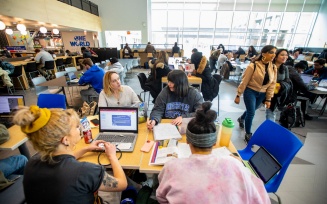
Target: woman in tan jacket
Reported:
point(258, 84)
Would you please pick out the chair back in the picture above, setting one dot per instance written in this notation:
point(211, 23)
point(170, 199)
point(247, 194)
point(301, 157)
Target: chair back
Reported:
point(18, 71)
point(59, 62)
point(176, 54)
point(70, 69)
point(279, 142)
point(142, 79)
point(60, 74)
point(242, 57)
point(49, 65)
point(150, 55)
point(68, 60)
point(51, 101)
point(30, 67)
point(39, 80)
point(136, 55)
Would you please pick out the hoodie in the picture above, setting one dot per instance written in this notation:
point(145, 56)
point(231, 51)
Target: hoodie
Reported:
point(93, 76)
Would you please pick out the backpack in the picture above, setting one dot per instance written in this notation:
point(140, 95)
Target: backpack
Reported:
point(288, 117)
point(299, 119)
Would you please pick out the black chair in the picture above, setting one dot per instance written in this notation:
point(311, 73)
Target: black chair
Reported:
point(59, 64)
point(142, 79)
point(68, 62)
point(30, 68)
point(13, 193)
point(18, 72)
point(49, 66)
point(218, 78)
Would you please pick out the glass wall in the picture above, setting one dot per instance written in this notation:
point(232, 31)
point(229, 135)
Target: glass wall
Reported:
point(201, 23)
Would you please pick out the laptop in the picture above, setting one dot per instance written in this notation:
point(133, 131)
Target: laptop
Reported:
point(71, 78)
point(263, 165)
point(306, 78)
point(8, 105)
point(189, 67)
point(171, 66)
point(119, 125)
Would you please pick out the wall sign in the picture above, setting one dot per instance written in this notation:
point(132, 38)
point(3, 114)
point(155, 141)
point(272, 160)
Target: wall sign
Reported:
point(15, 47)
point(79, 41)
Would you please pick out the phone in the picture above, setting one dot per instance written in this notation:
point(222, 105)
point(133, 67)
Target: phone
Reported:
point(95, 122)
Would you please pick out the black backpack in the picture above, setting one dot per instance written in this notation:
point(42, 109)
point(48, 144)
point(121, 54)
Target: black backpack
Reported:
point(288, 117)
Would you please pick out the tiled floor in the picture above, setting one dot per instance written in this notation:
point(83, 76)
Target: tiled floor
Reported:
point(306, 178)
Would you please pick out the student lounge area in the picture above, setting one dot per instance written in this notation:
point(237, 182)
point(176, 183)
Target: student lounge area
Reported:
point(104, 28)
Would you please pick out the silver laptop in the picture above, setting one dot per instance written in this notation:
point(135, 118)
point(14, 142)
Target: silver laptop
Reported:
point(263, 165)
point(306, 78)
point(119, 125)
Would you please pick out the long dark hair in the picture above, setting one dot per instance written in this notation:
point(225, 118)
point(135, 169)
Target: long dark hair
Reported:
point(181, 85)
point(281, 68)
point(265, 49)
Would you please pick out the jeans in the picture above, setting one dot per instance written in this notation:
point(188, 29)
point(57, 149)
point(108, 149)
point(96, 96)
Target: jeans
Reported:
point(13, 165)
point(252, 100)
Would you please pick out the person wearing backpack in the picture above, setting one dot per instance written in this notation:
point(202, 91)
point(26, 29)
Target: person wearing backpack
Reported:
point(258, 84)
point(283, 91)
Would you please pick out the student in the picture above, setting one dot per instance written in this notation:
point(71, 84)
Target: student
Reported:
point(114, 94)
point(257, 85)
point(54, 175)
point(176, 101)
point(252, 53)
point(94, 76)
point(115, 66)
point(319, 71)
point(150, 48)
point(127, 52)
point(175, 49)
point(222, 59)
point(213, 60)
point(41, 57)
point(159, 68)
point(206, 178)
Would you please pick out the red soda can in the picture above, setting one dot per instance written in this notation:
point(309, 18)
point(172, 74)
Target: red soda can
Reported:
point(87, 134)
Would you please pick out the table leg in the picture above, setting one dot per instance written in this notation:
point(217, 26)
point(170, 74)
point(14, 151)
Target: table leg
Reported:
point(24, 150)
point(323, 107)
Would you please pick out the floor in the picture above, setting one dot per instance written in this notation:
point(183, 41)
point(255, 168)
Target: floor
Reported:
point(306, 178)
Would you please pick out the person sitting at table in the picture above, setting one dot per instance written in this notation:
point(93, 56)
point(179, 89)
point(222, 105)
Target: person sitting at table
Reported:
point(204, 177)
point(127, 51)
point(94, 76)
point(54, 175)
point(94, 54)
point(86, 54)
point(175, 49)
point(159, 68)
point(209, 87)
point(223, 57)
point(115, 66)
point(323, 55)
point(252, 53)
point(150, 48)
point(41, 57)
point(239, 52)
point(6, 53)
point(319, 71)
point(114, 94)
point(68, 53)
point(177, 100)
point(13, 165)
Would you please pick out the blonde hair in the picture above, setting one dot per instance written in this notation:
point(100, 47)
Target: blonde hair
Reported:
point(47, 139)
point(107, 83)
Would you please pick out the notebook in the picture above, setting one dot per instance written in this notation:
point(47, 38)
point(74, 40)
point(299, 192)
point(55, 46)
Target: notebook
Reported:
point(263, 165)
point(306, 78)
point(323, 83)
point(8, 105)
point(119, 125)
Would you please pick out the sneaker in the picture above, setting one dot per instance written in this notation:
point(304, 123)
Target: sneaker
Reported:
point(148, 183)
point(240, 122)
point(308, 117)
point(247, 137)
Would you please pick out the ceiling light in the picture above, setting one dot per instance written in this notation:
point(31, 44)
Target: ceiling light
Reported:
point(55, 31)
point(9, 31)
point(43, 29)
point(23, 32)
point(2, 25)
point(21, 27)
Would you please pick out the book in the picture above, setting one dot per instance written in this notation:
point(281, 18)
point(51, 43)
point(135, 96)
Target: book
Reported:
point(165, 131)
point(160, 155)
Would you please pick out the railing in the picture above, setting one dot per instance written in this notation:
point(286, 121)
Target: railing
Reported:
point(84, 5)
point(156, 46)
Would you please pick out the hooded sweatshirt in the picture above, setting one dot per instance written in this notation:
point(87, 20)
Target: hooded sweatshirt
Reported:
point(93, 76)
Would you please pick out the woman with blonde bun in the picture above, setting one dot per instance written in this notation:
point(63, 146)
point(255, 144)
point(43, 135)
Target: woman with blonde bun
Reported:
point(54, 175)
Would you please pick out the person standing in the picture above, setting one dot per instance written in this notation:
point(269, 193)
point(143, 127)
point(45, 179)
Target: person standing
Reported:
point(257, 85)
point(94, 76)
point(175, 49)
point(41, 57)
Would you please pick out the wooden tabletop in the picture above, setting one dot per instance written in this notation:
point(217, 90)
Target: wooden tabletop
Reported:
point(146, 168)
point(17, 138)
point(191, 80)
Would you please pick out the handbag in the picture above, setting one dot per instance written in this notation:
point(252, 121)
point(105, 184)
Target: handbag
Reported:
point(87, 109)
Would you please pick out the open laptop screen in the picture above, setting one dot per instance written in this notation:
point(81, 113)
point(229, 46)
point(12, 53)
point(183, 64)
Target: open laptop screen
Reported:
point(264, 164)
point(118, 119)
point(10, 103)
point(306, 78)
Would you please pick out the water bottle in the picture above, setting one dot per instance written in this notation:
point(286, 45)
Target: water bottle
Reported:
point(226, 132)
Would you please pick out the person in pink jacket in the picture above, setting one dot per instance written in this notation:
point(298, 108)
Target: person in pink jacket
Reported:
point(204, 177)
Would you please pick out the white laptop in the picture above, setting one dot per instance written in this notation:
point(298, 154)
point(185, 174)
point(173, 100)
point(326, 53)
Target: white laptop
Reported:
point(119, 125)
point(263, 165)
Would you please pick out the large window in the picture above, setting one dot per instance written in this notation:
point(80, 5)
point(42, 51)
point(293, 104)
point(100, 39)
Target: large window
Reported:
point(201, 23)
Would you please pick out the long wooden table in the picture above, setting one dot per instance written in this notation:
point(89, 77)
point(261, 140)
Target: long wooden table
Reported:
point(18, 140)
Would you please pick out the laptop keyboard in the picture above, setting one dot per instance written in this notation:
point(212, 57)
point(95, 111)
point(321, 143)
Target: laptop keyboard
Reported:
point(116, 138)
point(6, 121)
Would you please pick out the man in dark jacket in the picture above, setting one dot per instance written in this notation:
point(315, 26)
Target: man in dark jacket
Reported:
point(209, 87)
point(319, 71)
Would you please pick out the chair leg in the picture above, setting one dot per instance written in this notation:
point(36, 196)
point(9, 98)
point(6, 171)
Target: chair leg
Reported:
point(21, 83)
point(278, 198)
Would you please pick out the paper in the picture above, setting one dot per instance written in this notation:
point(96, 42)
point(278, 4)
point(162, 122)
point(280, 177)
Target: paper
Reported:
point(161, 155)
point(321, 89)
point(164, 131)
point(221, 152)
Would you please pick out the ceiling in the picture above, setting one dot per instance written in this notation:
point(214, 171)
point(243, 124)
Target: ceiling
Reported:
point(33, 25)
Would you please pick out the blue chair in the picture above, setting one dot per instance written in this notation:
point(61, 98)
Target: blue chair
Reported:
point(51, 101)
point(280, 142)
